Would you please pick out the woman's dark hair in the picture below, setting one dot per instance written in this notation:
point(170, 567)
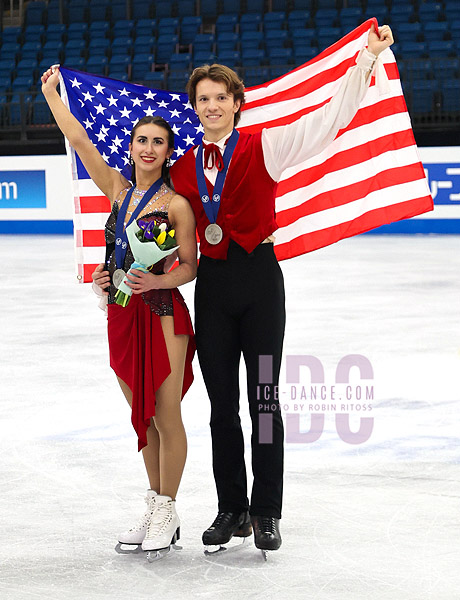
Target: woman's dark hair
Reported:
point(165, 125)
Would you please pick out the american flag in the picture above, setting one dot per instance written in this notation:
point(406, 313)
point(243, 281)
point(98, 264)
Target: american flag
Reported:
point(368, 176)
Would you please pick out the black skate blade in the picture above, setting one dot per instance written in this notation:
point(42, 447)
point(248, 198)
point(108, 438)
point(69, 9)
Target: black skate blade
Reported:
point(213, 550)
point(128, 548)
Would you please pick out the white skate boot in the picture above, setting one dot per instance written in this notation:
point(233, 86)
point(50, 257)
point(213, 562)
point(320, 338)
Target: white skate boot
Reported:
point(130, 541)
point(163, 530)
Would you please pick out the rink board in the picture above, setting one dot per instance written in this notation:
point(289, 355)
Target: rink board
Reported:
point(36, 195)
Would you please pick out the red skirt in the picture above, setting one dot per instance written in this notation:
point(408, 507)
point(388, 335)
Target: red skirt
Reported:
point(139, 356)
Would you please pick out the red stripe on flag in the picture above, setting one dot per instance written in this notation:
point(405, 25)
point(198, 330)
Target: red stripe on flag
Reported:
point(94, 204)
point(351, 193)
point(87, 272)
point(375, 218)
point(93, 237)
point(347, 158)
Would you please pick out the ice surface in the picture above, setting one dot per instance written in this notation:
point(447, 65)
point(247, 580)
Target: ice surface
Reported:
point(371, 521)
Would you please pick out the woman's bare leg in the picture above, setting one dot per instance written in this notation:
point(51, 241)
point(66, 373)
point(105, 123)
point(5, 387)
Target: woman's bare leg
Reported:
point(151, 452)
point(168, 418)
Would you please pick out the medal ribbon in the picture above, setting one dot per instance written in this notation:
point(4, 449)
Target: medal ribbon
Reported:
point(121, 239)
point(212, 208)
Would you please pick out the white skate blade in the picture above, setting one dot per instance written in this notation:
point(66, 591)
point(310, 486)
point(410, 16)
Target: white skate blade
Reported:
point(154, 555)
point(128, 548)
point(212, 550)
point(265, 554)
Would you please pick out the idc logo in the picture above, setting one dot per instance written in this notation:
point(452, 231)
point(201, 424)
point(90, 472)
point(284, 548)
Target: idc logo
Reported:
point(22, 189)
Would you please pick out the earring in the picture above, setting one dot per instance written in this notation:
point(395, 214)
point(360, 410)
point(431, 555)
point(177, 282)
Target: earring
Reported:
point(131, 162)
point(168, 162)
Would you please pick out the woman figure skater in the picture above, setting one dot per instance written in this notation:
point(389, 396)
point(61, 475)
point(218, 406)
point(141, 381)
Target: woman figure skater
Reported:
point(151, 340)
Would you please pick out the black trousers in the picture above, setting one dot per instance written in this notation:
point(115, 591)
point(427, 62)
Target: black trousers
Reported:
point(239, 308)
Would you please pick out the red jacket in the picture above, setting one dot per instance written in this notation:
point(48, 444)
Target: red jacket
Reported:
point(247, 208)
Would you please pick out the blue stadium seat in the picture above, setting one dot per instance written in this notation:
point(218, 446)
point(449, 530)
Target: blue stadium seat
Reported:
point(99, 28)
point(27, 67)
point(203, 58)
point(226, 23)
point(327, 36)
point(77, 31)
point(251, 40)
point(279, 5)
point(189, 28)
point(423, 96)
point(168, 23)
point(118, 11)
point(22, 83)
point(19, 110)
point(250, 22)
point(144, 44)
point(74, 62)
point(418, 69)
point(75, 48)
point(451, 11)
point(278, 37)
point(97, 64)
point(379, 12)
point(227, 41)
point(413, 49)
point(203, 42)
point(298, 19)
point(53, 15)
point(77, 11)
point(122, 45)
point(210, 8)
point(118, 75)
point(186, 8)
point(326, 17)
point(451, 95)
point(301, 5)
point(55, 31)
point(163, 9)
point(179, 61)
point(429, 11)
point(256, 76)
point(119, 63)
point(253, 57)
point(408, 32)
point(7, 67)
point(34, 33)
point(350, 17)
point(99, 11)
point(446, 68)
point(30, 50)
point(142, 9)
point(139, 65)
point(303, 37)
point(455, 30)
point(231, 58)
point(280, 56)
point(155, 77)
point(401, 12)
point(146, 27)
point(303, 55)
point(178, 80)
point(5, 83)
point(11, 35)
point(165, 46)
point(123, 27)
point(435, 30)
point(274, 20)
point(35, 13)
point(98, 46)
point(252, 6)
point(278, 71)
point(444, 48)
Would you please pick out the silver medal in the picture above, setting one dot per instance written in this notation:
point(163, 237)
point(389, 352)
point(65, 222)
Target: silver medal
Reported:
point(213, 234)
point(118, 277)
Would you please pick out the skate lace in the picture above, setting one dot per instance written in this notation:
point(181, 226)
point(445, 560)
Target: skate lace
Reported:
point(222, 519)
point(267, 525)
point(144, 520)
point(160, 520)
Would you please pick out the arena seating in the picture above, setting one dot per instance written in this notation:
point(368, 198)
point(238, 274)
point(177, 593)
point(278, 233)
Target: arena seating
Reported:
point(160, 42)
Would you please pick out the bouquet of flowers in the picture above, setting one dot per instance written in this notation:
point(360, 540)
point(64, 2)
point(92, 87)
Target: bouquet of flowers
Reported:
point(149, 244)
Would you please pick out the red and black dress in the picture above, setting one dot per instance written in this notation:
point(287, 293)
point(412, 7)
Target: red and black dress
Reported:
point(138, 352)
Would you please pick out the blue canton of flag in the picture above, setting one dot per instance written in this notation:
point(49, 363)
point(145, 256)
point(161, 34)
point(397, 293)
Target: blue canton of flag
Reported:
point(109, 109)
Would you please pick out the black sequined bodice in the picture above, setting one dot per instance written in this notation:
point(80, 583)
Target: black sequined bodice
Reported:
point(160, 301)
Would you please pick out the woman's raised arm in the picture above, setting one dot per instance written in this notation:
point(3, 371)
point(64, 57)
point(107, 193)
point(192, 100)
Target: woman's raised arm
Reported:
point(108, 180)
